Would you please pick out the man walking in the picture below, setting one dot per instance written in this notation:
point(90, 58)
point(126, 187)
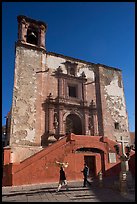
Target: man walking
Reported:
point(85, 174)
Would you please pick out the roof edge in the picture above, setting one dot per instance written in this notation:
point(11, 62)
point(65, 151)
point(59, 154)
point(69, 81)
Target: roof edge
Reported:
point(83, 61)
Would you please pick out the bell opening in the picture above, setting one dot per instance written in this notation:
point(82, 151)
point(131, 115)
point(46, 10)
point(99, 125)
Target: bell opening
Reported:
point(32, 37)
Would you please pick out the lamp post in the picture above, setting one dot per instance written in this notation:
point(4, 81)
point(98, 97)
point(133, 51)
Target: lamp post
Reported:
point(124, 158)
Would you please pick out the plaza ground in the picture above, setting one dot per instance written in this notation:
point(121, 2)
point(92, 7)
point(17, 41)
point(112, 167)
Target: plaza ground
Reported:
point(76, 193)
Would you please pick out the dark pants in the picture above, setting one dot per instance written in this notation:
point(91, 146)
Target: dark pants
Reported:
point(85, 181)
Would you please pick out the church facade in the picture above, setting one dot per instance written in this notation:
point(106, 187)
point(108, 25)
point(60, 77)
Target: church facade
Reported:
point(55, 96)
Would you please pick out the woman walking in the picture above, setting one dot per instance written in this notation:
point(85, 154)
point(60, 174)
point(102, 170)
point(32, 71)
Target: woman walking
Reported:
point(62, 180)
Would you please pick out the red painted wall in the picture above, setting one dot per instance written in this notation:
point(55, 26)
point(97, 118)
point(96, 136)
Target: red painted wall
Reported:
point(41, 167)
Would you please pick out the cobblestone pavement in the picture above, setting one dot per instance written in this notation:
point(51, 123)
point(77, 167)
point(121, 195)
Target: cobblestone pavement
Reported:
point(76, 193)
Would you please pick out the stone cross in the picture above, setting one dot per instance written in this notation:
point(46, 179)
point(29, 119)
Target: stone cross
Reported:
point(124, 164)
point(123, 141)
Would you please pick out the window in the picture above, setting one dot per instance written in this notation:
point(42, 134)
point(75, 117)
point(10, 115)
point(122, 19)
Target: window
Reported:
point(72, 91)
point(116, 126)
point(72, 71)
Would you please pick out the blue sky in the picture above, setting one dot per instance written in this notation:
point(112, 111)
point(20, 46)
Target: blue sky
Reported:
point(98, 32)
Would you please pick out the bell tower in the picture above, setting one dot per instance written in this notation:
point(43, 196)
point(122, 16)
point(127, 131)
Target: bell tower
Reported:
point(26, 111)
point(31, 32)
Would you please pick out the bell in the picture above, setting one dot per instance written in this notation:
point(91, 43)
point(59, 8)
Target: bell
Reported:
point(32, 34)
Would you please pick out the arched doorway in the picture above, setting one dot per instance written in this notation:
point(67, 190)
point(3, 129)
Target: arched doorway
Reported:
point(73, 124)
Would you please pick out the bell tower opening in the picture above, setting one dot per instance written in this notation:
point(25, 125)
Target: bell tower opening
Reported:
point(32, 36)
point(74, 124)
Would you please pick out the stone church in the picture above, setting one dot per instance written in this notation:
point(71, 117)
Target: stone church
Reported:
point(63, 109)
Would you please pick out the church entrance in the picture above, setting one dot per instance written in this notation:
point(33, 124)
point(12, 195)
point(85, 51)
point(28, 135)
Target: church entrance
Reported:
point(73, 124)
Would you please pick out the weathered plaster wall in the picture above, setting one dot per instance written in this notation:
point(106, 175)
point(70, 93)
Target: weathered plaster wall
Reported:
point(113, 103)
point(26, 95)
point(53, 62)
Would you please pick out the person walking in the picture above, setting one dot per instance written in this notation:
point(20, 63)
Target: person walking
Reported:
point(62, 180)
point(85, 174)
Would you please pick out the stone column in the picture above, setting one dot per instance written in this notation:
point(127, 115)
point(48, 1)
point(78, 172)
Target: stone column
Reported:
point(60, 87)
point(22, 30)
point(51, 120)
point(61, 132)
point(94, 118)
point(95, 123)
point(86, 122)
point(42, 36)
point(63, 88)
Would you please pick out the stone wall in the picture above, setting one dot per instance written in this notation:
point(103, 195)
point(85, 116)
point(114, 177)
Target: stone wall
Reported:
point(27, 96)
point(113, 103)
